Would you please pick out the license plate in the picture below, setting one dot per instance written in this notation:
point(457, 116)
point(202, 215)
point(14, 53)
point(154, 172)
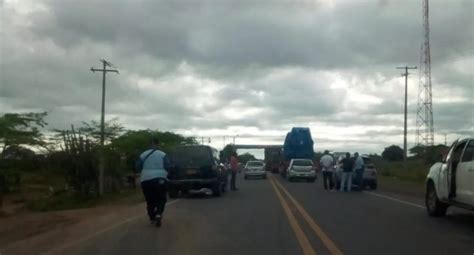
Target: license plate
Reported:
point(191, 171)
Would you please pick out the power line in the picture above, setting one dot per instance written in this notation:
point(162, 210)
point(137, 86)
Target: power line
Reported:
point(405, 111)
point(104, 71)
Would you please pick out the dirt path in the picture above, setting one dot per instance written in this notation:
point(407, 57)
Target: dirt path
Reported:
point(43, 232)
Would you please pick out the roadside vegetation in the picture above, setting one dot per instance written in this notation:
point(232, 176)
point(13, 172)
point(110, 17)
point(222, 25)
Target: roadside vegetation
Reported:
point(43, 169)
point(390, 164)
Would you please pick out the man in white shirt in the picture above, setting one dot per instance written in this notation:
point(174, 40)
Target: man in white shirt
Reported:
point(327, 164)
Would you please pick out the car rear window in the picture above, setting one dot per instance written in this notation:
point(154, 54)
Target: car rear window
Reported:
point(191, 156)
point(367, 161)
point(255, 163)
point(302, 162)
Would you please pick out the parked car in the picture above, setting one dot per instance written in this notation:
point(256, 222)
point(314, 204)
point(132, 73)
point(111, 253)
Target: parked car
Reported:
point(255, 169)
point(301, 169)
point(194, 167)
point(369, 177)
point(451, 182)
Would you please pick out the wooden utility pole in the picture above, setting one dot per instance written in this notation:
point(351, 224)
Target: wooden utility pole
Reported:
point(406, 104)
point(104, 71)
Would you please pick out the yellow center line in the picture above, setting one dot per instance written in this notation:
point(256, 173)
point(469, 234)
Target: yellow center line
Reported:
point(300, 235)
point(330, 245)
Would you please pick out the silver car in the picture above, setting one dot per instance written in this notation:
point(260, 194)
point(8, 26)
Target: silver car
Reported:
point(301, 169)
point(369, 176)
point(255, 169)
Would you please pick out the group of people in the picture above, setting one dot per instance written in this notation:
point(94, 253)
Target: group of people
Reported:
point(349, 167)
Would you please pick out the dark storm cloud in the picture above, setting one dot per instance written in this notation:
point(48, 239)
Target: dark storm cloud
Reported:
point(203, 65)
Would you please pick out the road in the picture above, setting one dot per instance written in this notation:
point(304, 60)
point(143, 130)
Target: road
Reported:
point(276, 217)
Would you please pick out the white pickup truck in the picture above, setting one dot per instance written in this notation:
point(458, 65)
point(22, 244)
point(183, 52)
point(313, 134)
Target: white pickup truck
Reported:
point(451, 182)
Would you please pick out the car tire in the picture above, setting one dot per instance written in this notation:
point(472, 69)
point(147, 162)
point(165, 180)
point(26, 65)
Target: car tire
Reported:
point(217, 190)
point(434, 206)
point(311, 180)
point(373, 186)
point(245, 177)
point(173, 193)
point(264, 176)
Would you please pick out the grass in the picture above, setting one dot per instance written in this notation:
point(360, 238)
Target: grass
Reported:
point(67, 201)
point(412, 171)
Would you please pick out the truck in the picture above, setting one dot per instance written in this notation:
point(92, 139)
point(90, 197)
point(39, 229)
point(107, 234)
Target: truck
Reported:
point(451, 181)
point(298, 145)
point(273, 157)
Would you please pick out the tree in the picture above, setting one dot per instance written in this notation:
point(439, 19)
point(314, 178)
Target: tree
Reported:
point(134, 142)
point(429, 154)
point(228, 151)
point(393, 153)
point(92, 130)
point(244, 158)
point(21, 129)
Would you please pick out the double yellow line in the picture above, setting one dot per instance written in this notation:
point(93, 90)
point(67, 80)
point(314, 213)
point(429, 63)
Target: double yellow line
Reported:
point(300, 235)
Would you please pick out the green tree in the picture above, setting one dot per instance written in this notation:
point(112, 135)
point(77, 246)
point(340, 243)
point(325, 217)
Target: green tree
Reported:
point(244, 158)
point(393, 153)
point(92, 131)
point(134, 142)
point(429, 154)
point(228, 151)
point(21, 129)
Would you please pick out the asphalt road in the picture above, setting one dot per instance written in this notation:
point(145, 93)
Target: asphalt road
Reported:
point(276, 217)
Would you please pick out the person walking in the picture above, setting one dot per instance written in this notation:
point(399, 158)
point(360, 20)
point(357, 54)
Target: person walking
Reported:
point(359, 171)
point(346, 179)
point(234, 166)
point(327, 164)
point(154, 181)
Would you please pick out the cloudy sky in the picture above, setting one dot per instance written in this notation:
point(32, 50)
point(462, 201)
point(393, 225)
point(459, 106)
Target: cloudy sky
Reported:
point(251, 69)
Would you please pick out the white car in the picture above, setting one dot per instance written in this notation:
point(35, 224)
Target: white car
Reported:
point(451, 182)
point(301, 169)
point(255, 169)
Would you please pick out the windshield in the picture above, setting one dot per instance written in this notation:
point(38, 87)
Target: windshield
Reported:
point(302, 163)
point(190, 156)
point(254, 163)
point(226, 124)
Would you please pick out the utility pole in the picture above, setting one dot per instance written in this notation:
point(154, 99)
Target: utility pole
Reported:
point(104, 71)
point(406, 106)
point(445, 139)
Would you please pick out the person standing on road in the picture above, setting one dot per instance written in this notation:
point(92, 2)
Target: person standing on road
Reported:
point(234, 166)
point(327, 164)
point(346, 179)
point(359, 171)
point(154, 181)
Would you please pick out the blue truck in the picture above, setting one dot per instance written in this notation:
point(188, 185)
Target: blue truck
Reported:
point(298, 145)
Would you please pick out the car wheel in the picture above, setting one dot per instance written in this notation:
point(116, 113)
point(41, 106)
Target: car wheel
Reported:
point(245, 177)
point(373, 185)
point(173, 193)
point(311, 180)
point(217, 190)
point(435, 207)
point(264, 176)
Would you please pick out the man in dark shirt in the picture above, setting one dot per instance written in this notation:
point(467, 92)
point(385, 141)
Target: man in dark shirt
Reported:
point(346, 179)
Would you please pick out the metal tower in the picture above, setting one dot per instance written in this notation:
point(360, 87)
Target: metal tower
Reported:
point(424, 113)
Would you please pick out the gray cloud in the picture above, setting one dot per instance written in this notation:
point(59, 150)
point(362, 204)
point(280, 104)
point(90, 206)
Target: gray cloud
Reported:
point(226, 66)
